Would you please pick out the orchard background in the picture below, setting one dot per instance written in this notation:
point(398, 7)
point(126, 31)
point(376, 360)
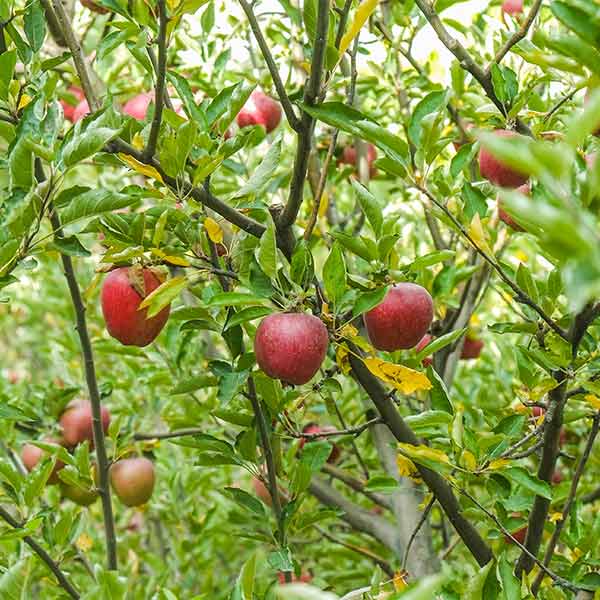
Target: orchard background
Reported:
point(283, 315)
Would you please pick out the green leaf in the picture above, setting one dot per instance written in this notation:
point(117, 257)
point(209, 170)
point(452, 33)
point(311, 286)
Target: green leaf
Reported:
point(355, 244)
point(526, 282)
point(368, 300)
point(34, 24)
point(381, 483)
point(163, 295)
point(247, 314)
point(334, 274)
point(91, 203)
point(246, 501)
point(234, 103)
point(474, 202)
point(433, 102)
point(529, 481)
point(302, 268)
point(578, 20)
point(8, 60)
point(235, 299)
point(438, 343)
point(315, 455)
point(70, 246)
point(440, 400)
point(509, 583)
point(461, 159)
point(476, 584)
point(369, 206)
point(192, 384)
point(430, 259)
point(264, 173)
point(266, 253)
point(184, 90)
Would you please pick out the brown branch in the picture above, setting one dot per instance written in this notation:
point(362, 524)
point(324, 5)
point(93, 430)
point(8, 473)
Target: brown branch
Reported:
point(348, 431)
point(414, 534)
point(569, 503)
point(518, 35)
point(532, 434)
point(44, 556)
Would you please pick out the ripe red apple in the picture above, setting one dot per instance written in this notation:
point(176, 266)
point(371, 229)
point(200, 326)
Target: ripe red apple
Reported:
point(31, 455)
point(314, 428)
point(94, 7)
point(425, 340)
point(402, 319)
point(261, 490)
point(77, 494)
point(349, 157)
point(291, 346)
point(76, 423)
point(69, 109)
point(260, 109)
point(137, 107)
point(120, 303)
point(525, 189)
point(519, 535)
point(305, 577)
point(132, 480)
point(81, 110)
point(557, 477)
point(512, 7)
point(497, 172)
point(471, 348)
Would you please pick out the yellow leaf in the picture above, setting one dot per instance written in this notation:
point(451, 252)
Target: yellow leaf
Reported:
point(141, 168)
point(498, 464)
point(402, 378)
point(407, 468)
point(469, 460)
point(84, 542)
point(478, 235)
point(521, 256)
point(364, 11)
point(138, 142)
point(324, 205)
point(400, 582)
point(348, 331)
point(594, 401)
point(342, 358)
point(173, 260)
point(555, 517)
point(24, 101)
point(214, 231)
point(424, 454)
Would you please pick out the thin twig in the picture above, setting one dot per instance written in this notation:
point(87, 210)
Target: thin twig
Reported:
point(562, 101)
point(161, 75)
point(348, 431)
point(51, 564)
point(166, 435)
point(532, 434)
point(416, 530)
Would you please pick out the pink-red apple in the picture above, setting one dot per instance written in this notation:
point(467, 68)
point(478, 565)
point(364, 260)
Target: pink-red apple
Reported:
point(512, 7)
point(471, 348)
point(305, 577)
point(69, 109)
point(349, 157)
point(425, 340)
point(31, 455)
point(76, 423)
point(291, 346)
point(495, 170)
point(525, 189)
point(402, 319)
point(120, 307)
point(132, 480)
point(313, 428)
point(81, 110)
point(137, 107)
point(260, 109)
point(261, 490)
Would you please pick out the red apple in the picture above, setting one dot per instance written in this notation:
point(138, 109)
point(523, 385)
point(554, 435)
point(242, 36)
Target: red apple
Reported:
point(512, 7)
point(314, 428)
point(81, 110)
point(590, 159)
point(537, 411)
point(504, 216)
point(402, 319)
point(497, 172)
point(69, 109)
point(519, 535)
point(349, 157)
point(132, 480)
point(120, 304)
point(305, 577)
point(471, 348)
point(137, 107)
point(94, 7)
point(31, 455)
point(425, 340)
point(77, 494)
point(261, 490)
point(557, 477)
point(76, 423)
point(291, 346)
point(260, 109)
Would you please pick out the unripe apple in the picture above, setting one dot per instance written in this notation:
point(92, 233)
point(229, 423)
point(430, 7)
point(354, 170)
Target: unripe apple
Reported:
point(402, 319)
point(496, 171)
point(69, 109)
point(425, 340)
point(137, 107)
point(471, 348)
point(31, 455)
point(81, 110)
point(77, 494)
point(305, 577)
point(314, 428)
point(120, 303)
point(76, 423)
point(94, 7)
point(260, 109)
point(291, 346)
point(349, 157)
point(525, 189)
point(261, 490)
point(512, 7)
point(132, 480)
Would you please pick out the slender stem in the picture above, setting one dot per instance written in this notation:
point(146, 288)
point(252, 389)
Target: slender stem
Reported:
point(152, 57)
point(347, 431)
point(342, 23)
point(50, 563)
point(166, 435)
point(161, 74)
point(94, 393)
point(569, 503)
point(416, 531)
point(266, 52)
point(509, 452)
point(519, 34)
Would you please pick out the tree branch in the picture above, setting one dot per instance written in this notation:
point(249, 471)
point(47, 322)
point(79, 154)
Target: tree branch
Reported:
point(161, 74)
point(518, 35)
point(403, 433)
point(288, 109)
point(44, 556)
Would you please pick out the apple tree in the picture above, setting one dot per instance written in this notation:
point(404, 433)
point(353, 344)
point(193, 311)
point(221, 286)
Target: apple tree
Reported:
point(299, 299)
